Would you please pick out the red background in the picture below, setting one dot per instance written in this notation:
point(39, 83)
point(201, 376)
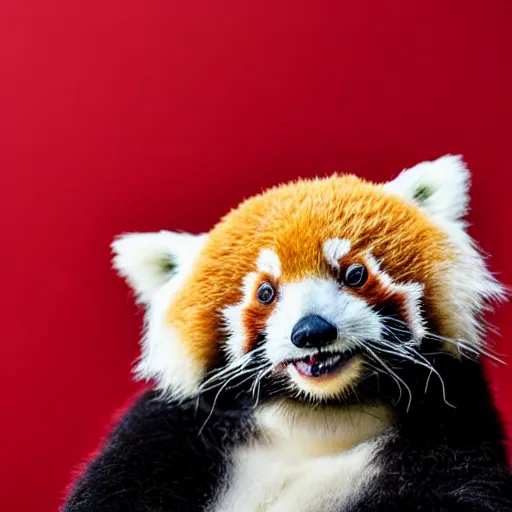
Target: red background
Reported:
point(139, 115)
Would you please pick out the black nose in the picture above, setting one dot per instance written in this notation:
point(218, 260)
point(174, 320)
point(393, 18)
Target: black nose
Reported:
point(313, 331)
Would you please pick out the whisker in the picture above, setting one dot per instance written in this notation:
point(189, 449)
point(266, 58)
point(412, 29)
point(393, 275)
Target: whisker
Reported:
point(422, 362)
point(234, 365)
point(427, 382)
point(465, 345)
point(433, 369)
point(238, 374)
point(391, 372)
point(379, 371)
point(478, 350)
point(214, 404)
point(261, 375)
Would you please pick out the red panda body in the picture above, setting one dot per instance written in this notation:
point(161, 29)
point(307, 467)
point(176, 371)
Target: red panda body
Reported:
point(318, 349)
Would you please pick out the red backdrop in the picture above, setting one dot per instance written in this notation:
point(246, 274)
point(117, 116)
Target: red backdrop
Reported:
point(142, 115)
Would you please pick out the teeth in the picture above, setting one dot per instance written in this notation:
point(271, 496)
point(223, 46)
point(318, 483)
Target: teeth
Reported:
point(311, 367)
point(330, 361)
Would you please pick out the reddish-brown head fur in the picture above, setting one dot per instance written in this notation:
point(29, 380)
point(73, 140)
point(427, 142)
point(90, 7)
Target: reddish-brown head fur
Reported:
point(295, 221)
point(409, 233)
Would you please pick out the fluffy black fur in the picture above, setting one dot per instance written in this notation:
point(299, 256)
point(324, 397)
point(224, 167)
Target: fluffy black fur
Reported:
point(444, 455)
point(158, 459)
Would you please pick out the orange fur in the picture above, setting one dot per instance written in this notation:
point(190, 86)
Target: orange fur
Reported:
point(295, 220)
point(256, 315)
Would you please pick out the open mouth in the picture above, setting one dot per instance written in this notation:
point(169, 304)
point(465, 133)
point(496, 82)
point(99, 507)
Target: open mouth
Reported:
point(322, 364)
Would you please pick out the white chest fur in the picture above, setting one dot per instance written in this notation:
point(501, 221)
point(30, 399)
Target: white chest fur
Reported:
point(280, 479)
point(304, 470)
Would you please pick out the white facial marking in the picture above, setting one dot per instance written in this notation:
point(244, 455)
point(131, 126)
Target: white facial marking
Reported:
point(268, 263)
point(354, 318)
point(356, 321)
point(233, 317)
point(413, 292)
point(334, 249)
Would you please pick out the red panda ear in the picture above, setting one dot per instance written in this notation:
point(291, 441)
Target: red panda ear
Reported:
point(148, 260)
point(439, 187)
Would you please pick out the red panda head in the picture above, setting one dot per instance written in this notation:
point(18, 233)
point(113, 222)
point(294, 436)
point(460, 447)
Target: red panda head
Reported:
point(306, 275)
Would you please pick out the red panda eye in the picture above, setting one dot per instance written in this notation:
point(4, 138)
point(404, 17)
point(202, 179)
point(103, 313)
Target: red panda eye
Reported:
point(266, 293)
point(355, 275)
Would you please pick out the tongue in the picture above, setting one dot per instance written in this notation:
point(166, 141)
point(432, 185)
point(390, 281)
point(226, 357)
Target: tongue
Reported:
point(317, 369)
point(313, 367)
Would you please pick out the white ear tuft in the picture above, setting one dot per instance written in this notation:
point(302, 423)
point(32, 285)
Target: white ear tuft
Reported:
point(439, 187)
point(148, 260)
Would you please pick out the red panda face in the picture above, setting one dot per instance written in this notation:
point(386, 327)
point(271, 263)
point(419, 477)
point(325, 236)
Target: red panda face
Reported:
point(310, 284)
point(313, 329)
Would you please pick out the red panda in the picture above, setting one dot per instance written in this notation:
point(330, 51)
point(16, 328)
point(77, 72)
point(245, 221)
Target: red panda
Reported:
point(318, 349)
